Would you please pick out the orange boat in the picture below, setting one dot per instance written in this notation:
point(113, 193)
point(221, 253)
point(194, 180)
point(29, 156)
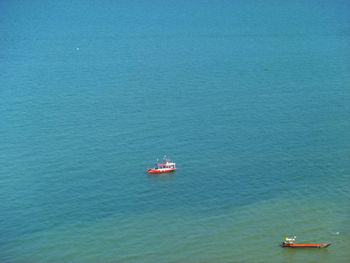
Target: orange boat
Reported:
point(290, 243)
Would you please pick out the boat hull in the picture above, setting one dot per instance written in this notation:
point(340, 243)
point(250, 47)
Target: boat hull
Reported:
point(307, 245)
point(159, 171)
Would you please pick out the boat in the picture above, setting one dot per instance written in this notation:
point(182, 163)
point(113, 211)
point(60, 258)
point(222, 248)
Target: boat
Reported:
point(290, 243)
point(165, 167)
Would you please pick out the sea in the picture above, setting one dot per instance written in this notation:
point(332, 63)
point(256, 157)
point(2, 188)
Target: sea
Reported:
point(250, 98)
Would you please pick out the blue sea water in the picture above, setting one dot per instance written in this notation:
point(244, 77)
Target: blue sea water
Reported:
point(250, 98)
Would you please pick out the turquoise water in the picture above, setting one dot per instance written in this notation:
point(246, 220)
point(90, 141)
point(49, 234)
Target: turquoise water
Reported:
point(250, 98)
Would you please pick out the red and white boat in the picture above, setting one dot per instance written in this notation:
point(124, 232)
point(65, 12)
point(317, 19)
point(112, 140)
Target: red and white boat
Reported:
point(166, 167)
